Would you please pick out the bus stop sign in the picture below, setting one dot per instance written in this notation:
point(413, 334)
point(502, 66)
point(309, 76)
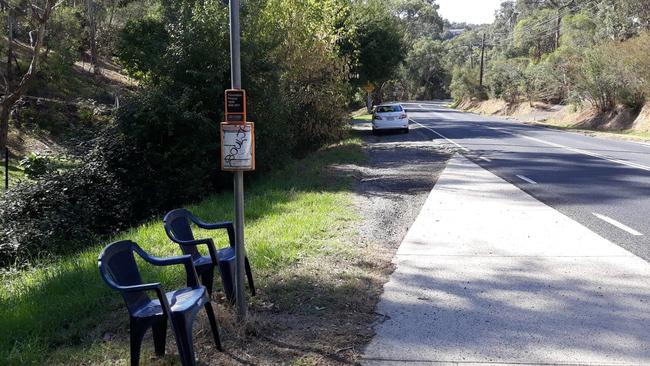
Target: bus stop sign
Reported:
point(235, 106)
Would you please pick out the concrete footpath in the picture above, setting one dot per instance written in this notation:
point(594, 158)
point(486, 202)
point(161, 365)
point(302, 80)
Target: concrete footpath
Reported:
point(489, 275)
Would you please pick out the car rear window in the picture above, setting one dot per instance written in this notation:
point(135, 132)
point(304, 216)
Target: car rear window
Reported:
point(389, 108)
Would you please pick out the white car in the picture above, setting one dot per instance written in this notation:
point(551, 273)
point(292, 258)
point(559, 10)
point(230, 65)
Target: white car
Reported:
point(390, 117)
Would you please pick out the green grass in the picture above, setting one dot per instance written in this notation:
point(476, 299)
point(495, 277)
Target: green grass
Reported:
point(363, 117)
point(59, 312)
point(16, 173)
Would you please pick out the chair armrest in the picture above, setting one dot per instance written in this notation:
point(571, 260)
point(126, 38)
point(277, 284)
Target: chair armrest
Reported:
point(157, 287)
point(212, 250)
point(186, 260)
point(228, 225)
point(167, 261)
point(132, 288)
point(211, 226)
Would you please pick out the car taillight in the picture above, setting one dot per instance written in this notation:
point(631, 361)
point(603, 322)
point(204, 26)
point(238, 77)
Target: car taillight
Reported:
point(376, 117)
point(403, 116)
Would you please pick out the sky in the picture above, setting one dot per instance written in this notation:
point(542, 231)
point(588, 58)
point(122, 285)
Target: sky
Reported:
point(469, 11)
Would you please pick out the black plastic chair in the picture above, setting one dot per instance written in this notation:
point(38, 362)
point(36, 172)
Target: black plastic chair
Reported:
point(177, 226)
point(119, 270)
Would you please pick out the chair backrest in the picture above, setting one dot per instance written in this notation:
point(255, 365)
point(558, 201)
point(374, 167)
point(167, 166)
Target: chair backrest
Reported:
point(117, 266)
point(177, 226)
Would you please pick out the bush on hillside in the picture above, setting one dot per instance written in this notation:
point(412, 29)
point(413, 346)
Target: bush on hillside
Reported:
point(507, 79)
point(62, 211)
point(465, 85)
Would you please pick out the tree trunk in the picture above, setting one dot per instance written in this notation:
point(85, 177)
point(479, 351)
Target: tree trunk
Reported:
point(110, 20)
point(10, 43)
point(369, 102)
point(92, 24)
point(11, 97)
point(558, 30)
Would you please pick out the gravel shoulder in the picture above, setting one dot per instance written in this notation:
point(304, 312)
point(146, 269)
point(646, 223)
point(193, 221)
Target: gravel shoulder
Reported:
point(324, 311)
point(400, 172)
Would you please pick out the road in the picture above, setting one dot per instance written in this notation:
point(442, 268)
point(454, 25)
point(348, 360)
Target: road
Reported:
point(601, 183)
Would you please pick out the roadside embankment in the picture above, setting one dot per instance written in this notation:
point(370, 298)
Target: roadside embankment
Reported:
point(622, 121)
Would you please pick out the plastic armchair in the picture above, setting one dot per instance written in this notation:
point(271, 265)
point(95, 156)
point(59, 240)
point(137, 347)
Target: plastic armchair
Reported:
point(177, 226)
point(120, 271)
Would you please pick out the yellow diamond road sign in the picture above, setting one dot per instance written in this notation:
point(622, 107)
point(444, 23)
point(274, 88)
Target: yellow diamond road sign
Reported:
point(370, 87)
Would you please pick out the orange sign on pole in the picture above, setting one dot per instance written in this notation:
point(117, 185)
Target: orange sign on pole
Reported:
point(235, 106)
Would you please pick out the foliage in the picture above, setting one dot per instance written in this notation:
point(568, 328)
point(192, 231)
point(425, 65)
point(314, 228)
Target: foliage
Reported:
point(600, 55)
point(420, 18)
point(531, 35)
point(61, 212)
point(141, 46)
point(425, 70)
point(465, 85)
point(163, 149)
point(544, 82)
point(35, 165)
point(373, 42)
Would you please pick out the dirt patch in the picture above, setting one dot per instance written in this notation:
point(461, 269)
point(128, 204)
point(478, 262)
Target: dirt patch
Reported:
point(619, 119)
point(322, 312)
point(642, 122)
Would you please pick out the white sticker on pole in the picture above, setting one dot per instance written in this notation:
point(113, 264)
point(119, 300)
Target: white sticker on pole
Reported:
point(238, 146)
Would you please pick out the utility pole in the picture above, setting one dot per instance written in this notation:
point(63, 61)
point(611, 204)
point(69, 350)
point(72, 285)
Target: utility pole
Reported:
point(482, 60)
point(238, 180)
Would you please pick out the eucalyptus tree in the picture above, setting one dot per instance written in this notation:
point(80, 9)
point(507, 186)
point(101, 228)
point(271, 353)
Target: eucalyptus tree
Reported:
point(39, 13)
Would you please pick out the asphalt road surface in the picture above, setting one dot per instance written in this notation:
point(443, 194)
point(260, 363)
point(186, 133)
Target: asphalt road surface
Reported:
point(602, 183)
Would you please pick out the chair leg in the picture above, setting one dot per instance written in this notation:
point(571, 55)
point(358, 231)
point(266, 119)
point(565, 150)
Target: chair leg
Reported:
point(213, 325)
point(137, 331)
point(249, 274)
point(159, 330)
point(183, 330)
point(207, 279)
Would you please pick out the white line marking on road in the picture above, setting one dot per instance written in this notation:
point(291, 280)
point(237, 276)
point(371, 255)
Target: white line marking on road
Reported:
point(579, 151)
point(486, 159)
point(439, 134)
point(617, 224)
point(526, 179)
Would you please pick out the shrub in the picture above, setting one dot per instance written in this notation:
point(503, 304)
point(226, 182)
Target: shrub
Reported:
point(465, 85)
point(62, 212)
point(36, 165)
point(507, 79)
point(543, 83)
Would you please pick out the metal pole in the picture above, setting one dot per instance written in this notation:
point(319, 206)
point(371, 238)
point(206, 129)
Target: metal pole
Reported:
point(6, 168)
point(235, 60)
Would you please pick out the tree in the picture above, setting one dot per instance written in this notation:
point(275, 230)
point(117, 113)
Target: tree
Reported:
point(373, 44)
point(92, 13)
point(425, 69)
point(420, 19)
point(535, 33)
point(40, 15)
